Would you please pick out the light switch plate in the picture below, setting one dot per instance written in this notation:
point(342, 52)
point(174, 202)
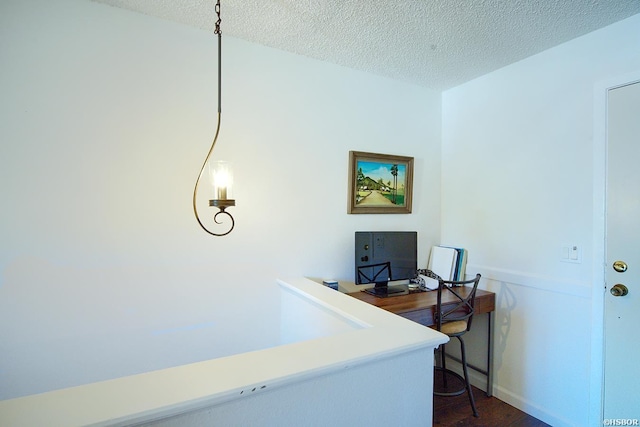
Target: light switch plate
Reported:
point(571, 253)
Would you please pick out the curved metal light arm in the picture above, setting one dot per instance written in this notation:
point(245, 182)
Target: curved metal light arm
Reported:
point(224, 203)
point(217, 203)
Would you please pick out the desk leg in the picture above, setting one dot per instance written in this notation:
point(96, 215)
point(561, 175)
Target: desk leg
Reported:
point(490, 355)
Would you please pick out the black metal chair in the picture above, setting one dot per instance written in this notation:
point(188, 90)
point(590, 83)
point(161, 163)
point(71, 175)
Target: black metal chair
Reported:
point(452, 316)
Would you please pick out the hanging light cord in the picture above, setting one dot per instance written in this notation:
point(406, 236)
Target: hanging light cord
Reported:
point(218, 32)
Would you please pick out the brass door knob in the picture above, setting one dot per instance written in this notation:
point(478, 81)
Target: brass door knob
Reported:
point(619, 290)
point(620, 266)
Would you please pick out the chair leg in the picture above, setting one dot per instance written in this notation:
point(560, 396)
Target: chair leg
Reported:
point(443, 365)
point(466, 378)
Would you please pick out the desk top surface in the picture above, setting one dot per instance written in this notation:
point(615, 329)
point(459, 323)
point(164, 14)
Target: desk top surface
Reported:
point(485, 300)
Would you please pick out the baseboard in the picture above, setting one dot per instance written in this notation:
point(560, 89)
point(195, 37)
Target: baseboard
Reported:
point(480, 381)
point(531, 409)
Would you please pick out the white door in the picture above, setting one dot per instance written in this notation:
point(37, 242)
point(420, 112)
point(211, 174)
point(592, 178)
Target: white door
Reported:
point(622, 312)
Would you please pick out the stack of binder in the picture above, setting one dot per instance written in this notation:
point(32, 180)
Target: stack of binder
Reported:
point(448, 262)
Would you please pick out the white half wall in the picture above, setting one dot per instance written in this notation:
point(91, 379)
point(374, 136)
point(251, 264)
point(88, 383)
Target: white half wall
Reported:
point(517, 188)
point(381, 393)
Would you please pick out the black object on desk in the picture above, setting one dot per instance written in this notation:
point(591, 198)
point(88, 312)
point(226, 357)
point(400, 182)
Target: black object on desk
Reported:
point(383, 290)
point(380, 274)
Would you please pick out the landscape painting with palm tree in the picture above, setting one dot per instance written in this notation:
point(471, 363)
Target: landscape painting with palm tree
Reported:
point(380, 184)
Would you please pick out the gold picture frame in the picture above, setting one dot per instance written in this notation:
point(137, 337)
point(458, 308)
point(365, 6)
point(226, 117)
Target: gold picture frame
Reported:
point(380, 183)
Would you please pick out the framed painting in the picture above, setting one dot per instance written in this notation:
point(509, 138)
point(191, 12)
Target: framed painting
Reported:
point(379, 183)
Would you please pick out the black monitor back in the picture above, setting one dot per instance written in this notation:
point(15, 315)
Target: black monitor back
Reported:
point(400, 248)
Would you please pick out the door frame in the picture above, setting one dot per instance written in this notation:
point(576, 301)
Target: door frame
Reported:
point(596, 386)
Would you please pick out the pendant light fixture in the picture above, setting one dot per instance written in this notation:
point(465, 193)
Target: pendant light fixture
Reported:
point(219, 172)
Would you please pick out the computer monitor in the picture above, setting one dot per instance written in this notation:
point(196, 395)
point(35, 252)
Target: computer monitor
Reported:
point(373, 249)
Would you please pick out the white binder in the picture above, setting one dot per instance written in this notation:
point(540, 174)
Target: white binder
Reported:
point(442, 261)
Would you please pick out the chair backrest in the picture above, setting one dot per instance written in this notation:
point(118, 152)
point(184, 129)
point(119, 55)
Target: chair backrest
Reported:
point(455, 301)
point(374, 273)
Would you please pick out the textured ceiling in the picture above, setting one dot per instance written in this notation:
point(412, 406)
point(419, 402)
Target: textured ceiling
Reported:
point(434, 43)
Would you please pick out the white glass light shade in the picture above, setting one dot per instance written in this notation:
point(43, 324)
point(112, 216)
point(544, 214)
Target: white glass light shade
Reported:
point(221, 175)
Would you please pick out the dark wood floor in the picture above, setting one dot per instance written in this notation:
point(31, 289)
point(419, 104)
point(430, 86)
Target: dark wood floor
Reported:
point(456, 411)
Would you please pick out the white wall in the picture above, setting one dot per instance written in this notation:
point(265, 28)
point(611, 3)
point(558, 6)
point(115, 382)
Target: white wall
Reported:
point(517, 186)
point(105, 118)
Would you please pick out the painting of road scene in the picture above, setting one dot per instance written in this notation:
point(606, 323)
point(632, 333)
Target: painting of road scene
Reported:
point(380, 184)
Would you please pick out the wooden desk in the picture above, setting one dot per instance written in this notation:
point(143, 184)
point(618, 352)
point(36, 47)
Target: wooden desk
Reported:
point(419, 307)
